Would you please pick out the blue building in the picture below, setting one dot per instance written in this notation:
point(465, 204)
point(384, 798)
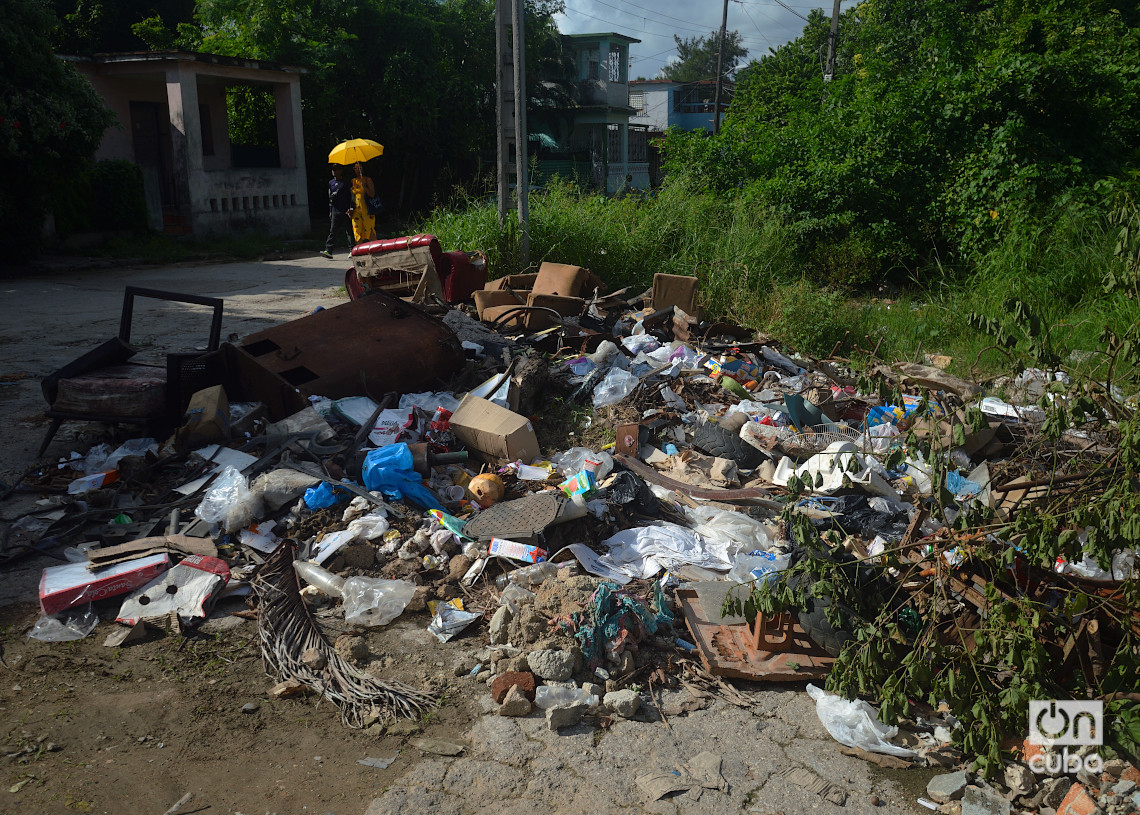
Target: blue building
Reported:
point(584, 129)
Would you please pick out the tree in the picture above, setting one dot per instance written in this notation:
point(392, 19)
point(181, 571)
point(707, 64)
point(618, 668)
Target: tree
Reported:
point(697, 57)
point(92, 26)
point(51, 122)
point(946, 129)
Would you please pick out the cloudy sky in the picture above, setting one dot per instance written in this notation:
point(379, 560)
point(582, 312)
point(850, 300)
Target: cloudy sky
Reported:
point(763, 24)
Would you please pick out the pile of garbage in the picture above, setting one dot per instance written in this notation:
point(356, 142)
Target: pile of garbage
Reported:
point(652, 542)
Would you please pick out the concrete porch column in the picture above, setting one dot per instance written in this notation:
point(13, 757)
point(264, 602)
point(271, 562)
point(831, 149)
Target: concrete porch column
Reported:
point(290, 138)
point(185, 132)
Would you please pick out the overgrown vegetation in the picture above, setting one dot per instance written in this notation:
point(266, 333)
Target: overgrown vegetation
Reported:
point(745, 257)
point(1032, 635)
point(947, 130)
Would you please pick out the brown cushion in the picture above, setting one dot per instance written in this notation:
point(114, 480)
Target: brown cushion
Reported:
point(565, 306)
point(492, 313)
point(559, 279)
point(513, 281)
point(489, 299)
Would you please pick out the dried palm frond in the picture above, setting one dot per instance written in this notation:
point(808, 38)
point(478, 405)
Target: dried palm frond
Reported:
point(287, 630)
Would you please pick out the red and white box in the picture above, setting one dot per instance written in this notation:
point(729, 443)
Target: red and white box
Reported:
point(62, 587)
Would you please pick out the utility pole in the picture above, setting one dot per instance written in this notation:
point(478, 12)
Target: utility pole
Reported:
point(720, 72)
point(510, 90)
point(829, 68)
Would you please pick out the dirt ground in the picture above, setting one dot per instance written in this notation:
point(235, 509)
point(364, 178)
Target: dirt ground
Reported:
point(94, 729)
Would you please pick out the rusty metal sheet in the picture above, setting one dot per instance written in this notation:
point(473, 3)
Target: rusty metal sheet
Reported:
point(772, 650)
point(376, 344)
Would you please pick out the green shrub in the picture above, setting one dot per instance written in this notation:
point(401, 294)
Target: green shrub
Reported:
point(104, 196)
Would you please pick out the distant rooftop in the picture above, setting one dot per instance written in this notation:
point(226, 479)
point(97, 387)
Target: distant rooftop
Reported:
point(609, 35)
point(187, 56)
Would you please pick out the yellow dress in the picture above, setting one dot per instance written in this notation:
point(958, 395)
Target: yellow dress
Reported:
point(363, 224)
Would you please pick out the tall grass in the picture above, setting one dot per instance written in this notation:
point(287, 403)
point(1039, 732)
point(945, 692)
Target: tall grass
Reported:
point(751, 271)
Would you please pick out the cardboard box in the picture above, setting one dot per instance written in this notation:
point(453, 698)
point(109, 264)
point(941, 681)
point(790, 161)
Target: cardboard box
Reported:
point(207, 419)
point(72, 584)
point(492, 433)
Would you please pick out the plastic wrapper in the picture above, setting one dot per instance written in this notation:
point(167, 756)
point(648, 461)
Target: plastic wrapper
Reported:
point(448, 621)
point(574, 461)
point(101, 458)
point(371, 601)
point(393, 425)
point(855, 724)
point(229, 502)
point(73, 624)
point(758, 566)
point(616, 385)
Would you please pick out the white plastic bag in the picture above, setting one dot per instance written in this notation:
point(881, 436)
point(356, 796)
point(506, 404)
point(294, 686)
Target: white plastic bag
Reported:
point(72, 624)
point(229, 502)
point(616, 385)
point(855, 724)
point(371, 601)
point(736, 528)
point(369, 527)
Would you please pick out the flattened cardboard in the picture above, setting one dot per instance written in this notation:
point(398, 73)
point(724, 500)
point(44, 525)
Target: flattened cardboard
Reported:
point(174, 544)
point(492, 433)
point(675, 290)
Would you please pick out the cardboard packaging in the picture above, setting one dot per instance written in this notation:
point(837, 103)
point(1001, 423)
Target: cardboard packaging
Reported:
point(492, 433)
point(207, 419)
point(189, 589)
point(72, 584)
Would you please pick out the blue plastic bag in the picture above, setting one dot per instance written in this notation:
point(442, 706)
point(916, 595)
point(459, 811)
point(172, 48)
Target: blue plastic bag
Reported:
point(389, 469)
point(324, 495)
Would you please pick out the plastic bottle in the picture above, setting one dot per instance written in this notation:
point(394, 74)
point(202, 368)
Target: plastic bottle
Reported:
point(321, 579)
point(528, 576)
point(547, 696)
point(514, 596)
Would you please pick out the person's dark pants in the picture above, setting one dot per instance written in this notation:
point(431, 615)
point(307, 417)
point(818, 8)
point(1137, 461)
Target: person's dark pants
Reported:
point(339, 223)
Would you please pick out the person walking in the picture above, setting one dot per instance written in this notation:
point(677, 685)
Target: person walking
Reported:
point(363, 220)
point(340, 212)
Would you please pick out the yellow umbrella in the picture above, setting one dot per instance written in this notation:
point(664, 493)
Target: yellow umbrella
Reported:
point(354, 150)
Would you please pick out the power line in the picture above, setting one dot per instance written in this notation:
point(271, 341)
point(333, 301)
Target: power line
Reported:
point(627, 27)
point(792, 10)
point(652, 11)
point(808, 8)
point(758, 31)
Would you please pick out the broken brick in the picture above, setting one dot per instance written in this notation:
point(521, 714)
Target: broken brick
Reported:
point(502, 683)
point(1077, 802)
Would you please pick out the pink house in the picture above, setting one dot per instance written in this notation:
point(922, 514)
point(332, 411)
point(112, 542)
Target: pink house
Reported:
point(172, 123)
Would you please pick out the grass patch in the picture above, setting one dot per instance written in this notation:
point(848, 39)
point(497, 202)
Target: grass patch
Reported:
point(751, 271)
